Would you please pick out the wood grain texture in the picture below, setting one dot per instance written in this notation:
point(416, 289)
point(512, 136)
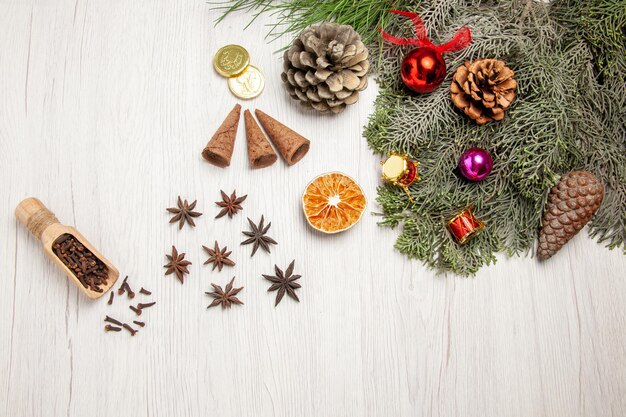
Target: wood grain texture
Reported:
point(105, 108)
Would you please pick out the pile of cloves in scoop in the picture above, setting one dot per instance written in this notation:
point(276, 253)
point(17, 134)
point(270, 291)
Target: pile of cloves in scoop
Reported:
point(88, 269)
point(114, 325)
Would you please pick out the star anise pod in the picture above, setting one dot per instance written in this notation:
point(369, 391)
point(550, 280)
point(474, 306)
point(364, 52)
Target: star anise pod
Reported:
point(284, 282)
point(258, 236)
point(177, 265)
point(218, 257)
point(230, 205)
point(225, 297)
point(184, 212)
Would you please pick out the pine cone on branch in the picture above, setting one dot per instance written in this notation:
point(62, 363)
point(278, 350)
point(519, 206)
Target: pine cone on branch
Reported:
point(326, 67)
point(483, 89)
point(572, 202)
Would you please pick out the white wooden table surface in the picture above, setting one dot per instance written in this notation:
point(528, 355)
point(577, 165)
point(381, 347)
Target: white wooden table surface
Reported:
point(104, 109)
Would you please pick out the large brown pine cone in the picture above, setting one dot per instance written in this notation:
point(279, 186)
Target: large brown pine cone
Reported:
point(483, 89)
point(326, 67)
point(572, 202)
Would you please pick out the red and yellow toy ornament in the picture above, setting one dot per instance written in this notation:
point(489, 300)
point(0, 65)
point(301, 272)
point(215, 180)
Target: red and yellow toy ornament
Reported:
point(424, 68)
point(401, 171)
point(464, 225)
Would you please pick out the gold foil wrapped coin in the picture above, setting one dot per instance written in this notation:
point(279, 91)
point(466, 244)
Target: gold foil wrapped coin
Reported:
point(401, 171)
point(231, 60)
point(248, 84)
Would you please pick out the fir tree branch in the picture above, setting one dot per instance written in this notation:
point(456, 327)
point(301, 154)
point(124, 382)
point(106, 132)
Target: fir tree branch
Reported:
point(569, 57)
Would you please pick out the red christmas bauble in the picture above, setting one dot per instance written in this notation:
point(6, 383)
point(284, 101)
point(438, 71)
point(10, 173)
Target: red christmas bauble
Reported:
point(423, 70)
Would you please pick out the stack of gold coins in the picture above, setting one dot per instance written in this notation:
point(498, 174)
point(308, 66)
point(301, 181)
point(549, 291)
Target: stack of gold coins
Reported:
point(244, 80)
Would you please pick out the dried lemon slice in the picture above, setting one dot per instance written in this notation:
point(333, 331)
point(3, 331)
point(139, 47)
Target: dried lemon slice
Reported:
point(333, 202)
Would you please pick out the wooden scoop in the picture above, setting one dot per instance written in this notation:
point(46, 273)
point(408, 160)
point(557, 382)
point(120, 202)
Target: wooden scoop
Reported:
point(42, 223)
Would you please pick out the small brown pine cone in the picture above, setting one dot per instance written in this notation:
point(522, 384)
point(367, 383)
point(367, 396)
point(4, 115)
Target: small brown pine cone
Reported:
point(572, 202)
point(483, 89)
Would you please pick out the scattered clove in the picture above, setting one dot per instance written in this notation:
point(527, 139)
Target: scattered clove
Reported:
point(122, 287)
point(130, 329)
point(116, 325)
point(112, 320)
point(129, 291)
point(110, 328)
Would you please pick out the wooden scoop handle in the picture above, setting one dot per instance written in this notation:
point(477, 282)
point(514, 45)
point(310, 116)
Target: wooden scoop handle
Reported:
point(35, 216)
point(43, 224)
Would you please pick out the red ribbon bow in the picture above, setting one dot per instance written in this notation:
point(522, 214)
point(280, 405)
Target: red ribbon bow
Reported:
point(461, 38)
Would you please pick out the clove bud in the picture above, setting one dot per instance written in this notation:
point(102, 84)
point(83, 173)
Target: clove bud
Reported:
point(129, 291)
point(110, 328)
point(130, 329)
point(112, 320)
point(122, 287)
